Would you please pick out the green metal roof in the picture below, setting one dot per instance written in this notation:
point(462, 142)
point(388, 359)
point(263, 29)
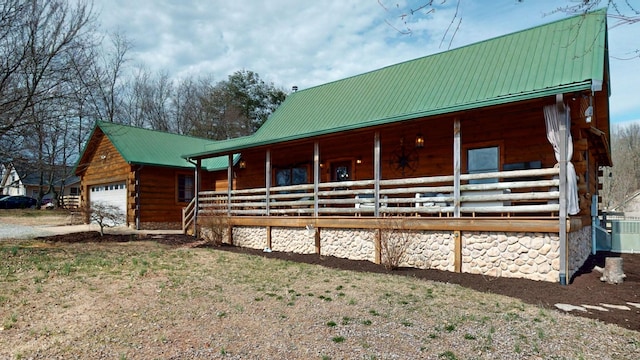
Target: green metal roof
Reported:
point(559, 57)
point(157, 148)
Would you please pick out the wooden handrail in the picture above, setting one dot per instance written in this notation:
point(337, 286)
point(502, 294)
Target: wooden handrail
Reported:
point(520, 192)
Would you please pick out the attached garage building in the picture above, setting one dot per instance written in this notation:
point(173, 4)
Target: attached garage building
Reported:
point(142, 172)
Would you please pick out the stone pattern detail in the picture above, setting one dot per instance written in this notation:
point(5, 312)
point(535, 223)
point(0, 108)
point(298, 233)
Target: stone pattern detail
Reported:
point(430, 250)
point(250, 237)
point(579, 249)
point(534, 256)
point(354, 244)
point(294, 240)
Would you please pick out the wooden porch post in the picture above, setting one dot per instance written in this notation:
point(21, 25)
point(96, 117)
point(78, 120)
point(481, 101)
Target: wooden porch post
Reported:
point(563, 187)
point(456, 167)
point(269, 236)
point(229, 183)
point(316, 176)
point(196, 204)
point(378, 246)
point(376, 173)
point(457, 260)
point(229, 187)
point(267, 180)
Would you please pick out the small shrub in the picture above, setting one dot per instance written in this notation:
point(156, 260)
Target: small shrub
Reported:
point(394, 242)
point(105, 215)
point(214, 229)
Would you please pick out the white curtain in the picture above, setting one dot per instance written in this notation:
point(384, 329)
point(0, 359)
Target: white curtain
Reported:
point(553, 119)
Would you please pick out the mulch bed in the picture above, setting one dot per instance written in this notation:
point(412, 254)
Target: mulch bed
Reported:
point(584, 288)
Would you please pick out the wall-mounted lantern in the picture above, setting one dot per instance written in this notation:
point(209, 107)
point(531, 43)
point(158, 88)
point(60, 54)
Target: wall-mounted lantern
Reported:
point(419, 141)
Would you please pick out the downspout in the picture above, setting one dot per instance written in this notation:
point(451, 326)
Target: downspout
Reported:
point(316, 177)
point(267, 180)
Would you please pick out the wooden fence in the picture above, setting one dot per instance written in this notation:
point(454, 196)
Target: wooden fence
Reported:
point(70, 201)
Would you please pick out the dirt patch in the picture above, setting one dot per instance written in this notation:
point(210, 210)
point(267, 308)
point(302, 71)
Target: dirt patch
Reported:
point(584, 289)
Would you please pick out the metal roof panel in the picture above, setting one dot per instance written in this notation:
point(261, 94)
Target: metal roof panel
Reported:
point(547, 59)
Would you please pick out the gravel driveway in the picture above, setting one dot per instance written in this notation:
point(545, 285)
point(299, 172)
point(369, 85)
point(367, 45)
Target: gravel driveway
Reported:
point(14, 231)
point(29, 228)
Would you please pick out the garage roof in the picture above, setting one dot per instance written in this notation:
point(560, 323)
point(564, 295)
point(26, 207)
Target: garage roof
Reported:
point(157, 148)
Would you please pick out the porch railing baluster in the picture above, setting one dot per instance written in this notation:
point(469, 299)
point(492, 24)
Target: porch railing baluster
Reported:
point(518, 192)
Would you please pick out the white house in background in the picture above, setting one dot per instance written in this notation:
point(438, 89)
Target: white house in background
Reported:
point(10, 183)
point(20, 179)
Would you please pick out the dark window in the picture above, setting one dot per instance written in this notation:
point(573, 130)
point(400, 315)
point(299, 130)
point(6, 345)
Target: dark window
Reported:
point(74, 191)
point(483, 160)
point(291, 176)
point(186, 188)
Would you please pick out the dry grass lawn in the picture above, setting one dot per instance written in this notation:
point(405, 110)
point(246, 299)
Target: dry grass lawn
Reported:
point(143, 300)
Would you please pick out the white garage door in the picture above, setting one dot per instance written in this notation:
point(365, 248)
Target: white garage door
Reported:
point(110, 194)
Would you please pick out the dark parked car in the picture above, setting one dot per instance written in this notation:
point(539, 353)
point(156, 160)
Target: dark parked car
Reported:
point(17, 202)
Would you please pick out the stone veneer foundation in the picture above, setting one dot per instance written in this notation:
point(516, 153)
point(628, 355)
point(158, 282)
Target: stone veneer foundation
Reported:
point(534, 256)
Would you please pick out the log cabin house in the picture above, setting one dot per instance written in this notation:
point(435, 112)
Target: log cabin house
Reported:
point(141, 172)
point(486, 156)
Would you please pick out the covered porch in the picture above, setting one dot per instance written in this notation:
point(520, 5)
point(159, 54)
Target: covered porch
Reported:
point(331, 197)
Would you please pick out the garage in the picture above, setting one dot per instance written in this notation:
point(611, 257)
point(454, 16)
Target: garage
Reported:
point(110, 194)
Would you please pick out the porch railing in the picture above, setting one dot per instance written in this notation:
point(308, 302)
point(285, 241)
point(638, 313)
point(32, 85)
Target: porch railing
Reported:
point(520, 192)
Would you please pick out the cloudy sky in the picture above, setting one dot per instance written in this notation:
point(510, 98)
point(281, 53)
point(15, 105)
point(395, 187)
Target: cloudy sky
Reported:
point(307, 43)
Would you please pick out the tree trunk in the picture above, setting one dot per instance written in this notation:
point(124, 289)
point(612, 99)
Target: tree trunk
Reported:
point(612, 272)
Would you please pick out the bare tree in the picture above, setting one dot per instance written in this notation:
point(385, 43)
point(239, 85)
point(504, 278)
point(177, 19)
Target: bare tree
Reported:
point(227, 109)
point(402, 16)
point(37, 38)
point(99, 74)
point(623, 178)
point(105, 215)
point(237, 106)
point(187, 110)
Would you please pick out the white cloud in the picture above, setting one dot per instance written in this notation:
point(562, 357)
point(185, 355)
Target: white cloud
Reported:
point(292, 42)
